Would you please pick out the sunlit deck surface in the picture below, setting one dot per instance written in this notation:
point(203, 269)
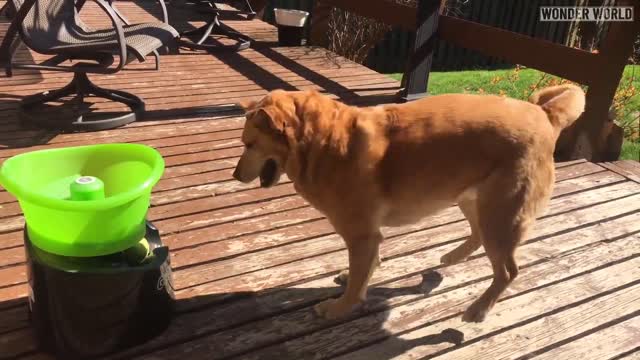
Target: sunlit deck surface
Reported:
point(249, 264)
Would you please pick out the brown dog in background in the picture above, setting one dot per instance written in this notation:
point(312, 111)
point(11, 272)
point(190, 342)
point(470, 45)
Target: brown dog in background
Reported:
point(391, 165)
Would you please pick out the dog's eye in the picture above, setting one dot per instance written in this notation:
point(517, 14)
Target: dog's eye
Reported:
point(248, 145)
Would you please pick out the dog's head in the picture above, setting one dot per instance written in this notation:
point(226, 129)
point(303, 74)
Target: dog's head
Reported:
point(266, 138)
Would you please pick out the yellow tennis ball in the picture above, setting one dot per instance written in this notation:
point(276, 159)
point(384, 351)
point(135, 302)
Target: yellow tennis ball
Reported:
point(138, 253)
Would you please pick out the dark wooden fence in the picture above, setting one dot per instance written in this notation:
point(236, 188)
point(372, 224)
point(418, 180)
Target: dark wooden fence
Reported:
point(519, 16)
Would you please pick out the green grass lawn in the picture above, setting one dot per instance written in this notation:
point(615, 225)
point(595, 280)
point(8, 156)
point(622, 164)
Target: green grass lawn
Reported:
point(630, 150)
point(475, 80)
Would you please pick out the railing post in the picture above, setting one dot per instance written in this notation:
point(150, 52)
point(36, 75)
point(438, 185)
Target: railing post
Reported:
point(416, 76)
point(588, 137)
point(320, 24)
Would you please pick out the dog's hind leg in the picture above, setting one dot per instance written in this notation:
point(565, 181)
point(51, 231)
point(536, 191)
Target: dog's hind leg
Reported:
point(508, 203)
point(500, 244)
point(469, 208)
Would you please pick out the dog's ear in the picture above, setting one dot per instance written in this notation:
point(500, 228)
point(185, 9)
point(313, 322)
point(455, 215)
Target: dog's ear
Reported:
point(248, 105)
point(270, 119)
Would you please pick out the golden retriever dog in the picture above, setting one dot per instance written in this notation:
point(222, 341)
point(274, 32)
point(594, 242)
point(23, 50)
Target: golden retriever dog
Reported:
point(390, 165)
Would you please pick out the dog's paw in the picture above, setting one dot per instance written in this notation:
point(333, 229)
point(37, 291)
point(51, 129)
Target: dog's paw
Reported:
point(334, 308)
point(342, 278)
point(450, 259)
point(475, 313)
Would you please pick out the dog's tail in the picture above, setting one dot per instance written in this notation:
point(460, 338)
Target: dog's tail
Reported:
point(562, 103)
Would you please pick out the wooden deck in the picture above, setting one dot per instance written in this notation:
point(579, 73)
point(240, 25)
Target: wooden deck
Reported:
point(249, 263)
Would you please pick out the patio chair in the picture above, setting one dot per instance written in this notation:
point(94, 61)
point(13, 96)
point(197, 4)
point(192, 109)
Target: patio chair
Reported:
point(197, 38)
point(53, 27)
point(165, 19)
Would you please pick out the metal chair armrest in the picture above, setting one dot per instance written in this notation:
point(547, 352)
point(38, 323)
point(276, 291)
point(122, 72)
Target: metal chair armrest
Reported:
point(80, 4)
point(163, 6)
point(165, 15)
point(122, 44)
point(8, 46)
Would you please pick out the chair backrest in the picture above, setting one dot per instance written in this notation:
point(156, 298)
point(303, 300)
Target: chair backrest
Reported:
point(47, 23)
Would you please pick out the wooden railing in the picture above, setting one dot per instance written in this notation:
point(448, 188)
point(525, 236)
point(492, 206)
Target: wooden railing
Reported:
point(589, 138)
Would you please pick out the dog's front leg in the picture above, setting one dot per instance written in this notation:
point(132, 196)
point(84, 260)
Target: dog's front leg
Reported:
point(363, 258)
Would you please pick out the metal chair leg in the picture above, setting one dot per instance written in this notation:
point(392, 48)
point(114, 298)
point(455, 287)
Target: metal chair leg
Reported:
point(81, 87)
point(156, 56)
point(198, 37)
point(202, 33)
point(215, 27)
point(47, 96)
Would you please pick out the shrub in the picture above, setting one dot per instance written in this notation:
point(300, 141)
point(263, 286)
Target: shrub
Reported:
point(353, 36)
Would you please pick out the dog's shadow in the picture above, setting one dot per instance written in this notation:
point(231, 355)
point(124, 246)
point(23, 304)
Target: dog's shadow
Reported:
point(269, 323)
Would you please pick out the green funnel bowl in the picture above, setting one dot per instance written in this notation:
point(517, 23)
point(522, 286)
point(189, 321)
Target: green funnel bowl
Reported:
point(103, 215)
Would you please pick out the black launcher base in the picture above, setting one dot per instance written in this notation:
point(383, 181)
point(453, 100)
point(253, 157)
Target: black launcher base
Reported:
point(86, 307)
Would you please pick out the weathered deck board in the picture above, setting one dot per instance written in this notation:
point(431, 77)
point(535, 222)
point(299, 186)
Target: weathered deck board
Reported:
point(395, 246)
point(250, 263)
point(610, 292)
point(302, 321)
point(628, 168)
point(197, 82)
point(444, 310)
point(620, 337)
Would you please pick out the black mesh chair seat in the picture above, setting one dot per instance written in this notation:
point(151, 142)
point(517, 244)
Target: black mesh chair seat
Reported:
point(141, 39)
point(58, 30)
point(53, 27)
